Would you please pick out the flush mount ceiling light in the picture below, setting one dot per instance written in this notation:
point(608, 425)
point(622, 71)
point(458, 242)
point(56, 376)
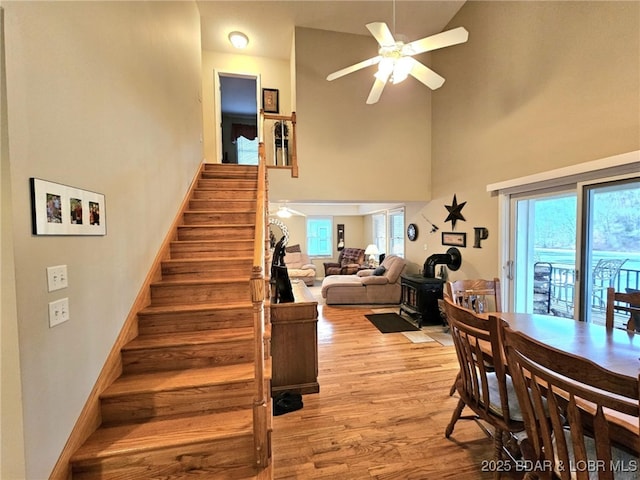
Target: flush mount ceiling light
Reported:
point(238, 39)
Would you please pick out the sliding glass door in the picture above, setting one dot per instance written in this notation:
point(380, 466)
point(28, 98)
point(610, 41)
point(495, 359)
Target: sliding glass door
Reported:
point(543, 245)
point(569, 244)
point(611, 235)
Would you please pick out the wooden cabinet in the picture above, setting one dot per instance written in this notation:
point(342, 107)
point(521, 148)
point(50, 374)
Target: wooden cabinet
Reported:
point(294, 343)
point(420, 298)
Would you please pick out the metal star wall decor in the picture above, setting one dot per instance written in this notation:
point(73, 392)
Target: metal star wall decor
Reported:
point(455, 212)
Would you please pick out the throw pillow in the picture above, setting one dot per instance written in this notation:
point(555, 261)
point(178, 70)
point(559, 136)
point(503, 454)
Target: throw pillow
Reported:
point(293, 248)
point(635, 316)
point(379, 271)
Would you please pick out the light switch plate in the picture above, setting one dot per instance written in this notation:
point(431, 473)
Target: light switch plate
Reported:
point(58, 312)
point(57, 278)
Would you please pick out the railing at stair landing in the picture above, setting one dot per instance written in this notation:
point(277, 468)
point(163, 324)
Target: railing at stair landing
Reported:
point(257, 287)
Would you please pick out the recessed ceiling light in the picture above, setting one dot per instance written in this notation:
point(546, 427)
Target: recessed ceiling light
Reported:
point(238, 39)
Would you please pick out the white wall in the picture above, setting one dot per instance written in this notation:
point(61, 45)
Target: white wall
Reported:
point(539, 85)
point(103, 96)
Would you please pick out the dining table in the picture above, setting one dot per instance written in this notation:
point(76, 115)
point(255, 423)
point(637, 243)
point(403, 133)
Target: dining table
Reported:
point(615, 350)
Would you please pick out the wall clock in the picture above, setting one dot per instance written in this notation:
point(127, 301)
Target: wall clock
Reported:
point(412, 231)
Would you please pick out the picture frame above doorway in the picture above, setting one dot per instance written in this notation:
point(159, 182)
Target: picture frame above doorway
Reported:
point(270, 100)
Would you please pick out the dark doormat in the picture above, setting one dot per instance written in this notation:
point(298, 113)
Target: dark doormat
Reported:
point(390, 322)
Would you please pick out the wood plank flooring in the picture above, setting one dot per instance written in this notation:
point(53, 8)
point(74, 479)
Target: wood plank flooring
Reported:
point(381, 412)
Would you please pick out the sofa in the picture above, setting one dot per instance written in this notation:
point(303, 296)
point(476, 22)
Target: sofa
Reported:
point(299, 266)
point(349, 262)
point(372, 286)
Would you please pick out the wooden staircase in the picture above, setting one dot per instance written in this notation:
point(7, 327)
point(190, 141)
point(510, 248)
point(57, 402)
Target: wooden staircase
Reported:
point(184, 405)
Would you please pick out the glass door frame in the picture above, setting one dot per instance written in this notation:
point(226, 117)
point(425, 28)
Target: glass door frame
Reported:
point(618, 167)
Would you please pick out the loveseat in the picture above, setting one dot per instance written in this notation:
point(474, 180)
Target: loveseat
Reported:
point(373, 286)
point(299, 266)
point(349, 262)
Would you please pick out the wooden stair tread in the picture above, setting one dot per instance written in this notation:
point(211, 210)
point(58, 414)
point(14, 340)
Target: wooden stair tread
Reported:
point(233, 261)
point(217, 225)
point(177, 379)
point(220, 211)
point(140, 437)
point(194, 308)
point(188, 338)
point(203, 281)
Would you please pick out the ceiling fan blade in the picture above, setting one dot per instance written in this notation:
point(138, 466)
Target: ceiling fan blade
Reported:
point(354, 68)
point(381, 33)
point(376, 90)
point(424, 74)
point(439, 40)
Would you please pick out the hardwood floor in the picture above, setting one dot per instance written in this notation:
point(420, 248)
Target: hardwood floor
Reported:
point(381, 412)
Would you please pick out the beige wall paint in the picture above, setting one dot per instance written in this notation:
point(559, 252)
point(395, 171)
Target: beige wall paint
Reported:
point(539, 85)
point(103, 96)
point(347, 150)
point(273, 73)
point(12, 463)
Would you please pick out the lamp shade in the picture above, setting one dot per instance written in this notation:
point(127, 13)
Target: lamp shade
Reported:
point(371, 250)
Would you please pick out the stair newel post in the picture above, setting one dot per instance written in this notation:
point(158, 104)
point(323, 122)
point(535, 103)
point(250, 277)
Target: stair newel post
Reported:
point(257, 288)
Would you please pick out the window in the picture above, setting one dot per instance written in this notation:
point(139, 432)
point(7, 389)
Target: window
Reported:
point(379, 222)
point(247, 151)
point(319, 232)
point(396, 232)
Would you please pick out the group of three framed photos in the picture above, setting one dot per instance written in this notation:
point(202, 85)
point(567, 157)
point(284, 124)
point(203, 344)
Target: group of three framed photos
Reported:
point(58, 209)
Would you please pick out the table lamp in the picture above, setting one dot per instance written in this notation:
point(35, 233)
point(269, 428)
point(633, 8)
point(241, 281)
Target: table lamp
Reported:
point(372, 251)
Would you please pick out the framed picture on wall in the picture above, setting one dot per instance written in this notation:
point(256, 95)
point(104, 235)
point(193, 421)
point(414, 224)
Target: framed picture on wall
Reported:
point(454, 239)
point(270, 100)
point(58, 209)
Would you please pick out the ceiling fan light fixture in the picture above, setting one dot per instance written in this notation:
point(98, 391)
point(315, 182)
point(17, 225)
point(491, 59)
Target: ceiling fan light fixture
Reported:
point(385, 68)
point(239, 40)
point(401, 69)
point(284, 212)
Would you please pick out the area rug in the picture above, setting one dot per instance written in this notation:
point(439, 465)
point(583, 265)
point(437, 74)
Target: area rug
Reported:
point(390, 322)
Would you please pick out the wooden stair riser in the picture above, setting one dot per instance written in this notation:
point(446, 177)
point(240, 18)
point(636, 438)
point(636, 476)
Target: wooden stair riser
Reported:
point(151, 324)
point(203, 269)
point(203, 249)
point(226, 184)
point(187, 356)
point(224, 194)
point(222, 459)
point(223, 205)
point(243, 233)
point(229, 171)
point(194, 401)
point(205, 293)
point(220, 218)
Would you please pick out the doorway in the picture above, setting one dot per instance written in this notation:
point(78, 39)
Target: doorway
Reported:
point(237, 117)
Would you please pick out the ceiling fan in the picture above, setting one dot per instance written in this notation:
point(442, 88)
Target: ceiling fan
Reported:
point(395, 58)
point(286, 212)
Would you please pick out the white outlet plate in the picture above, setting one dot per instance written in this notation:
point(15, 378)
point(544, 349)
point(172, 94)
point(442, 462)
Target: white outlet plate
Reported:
point(58, 312)
point(57, 278)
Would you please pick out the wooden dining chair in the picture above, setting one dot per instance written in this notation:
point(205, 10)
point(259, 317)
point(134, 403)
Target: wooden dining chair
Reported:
point(573, 410)
point(482, 382)
point(487, 290)
point(631, 301)
point(461, 290)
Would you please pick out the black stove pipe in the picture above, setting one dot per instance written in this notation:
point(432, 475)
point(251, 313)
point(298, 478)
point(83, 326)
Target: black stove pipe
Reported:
point(452, 259)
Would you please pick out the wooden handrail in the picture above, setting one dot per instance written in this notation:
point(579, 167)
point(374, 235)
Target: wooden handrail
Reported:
point(257, 288)
point(293, 141)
